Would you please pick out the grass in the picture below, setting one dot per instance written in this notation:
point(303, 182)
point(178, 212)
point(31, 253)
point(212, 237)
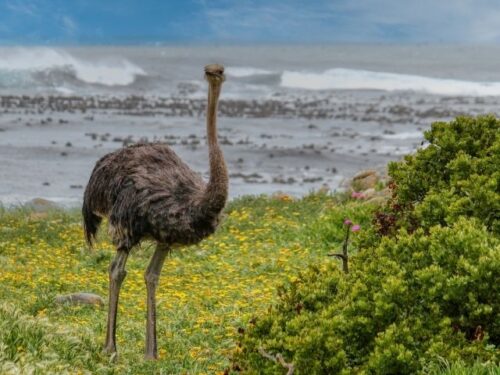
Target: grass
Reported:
point(206, 292)
point(459, 368)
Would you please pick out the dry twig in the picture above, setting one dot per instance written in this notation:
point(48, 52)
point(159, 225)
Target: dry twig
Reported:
point(278, 358)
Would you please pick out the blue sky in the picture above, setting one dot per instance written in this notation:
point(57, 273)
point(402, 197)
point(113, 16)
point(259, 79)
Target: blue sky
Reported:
point(249, 21)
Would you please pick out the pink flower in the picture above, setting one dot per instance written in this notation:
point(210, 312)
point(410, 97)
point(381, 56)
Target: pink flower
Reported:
point(347, 222)
point(357, 195)
point(355, 228)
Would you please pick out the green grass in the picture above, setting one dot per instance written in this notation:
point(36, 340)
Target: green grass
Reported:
point(206, 291)
point(459, 368)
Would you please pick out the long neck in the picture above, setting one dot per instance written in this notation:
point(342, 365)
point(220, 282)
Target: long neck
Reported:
point(215, 195)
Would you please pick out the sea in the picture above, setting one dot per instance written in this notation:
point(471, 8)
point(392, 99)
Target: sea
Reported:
point(254, 72)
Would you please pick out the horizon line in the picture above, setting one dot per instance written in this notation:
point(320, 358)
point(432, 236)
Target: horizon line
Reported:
point(244, 44)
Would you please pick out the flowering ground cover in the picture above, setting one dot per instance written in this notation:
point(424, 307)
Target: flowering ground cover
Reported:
point(206, 293)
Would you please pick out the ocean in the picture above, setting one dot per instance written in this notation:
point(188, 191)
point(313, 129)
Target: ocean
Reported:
point(255, 72)
point(292, 118)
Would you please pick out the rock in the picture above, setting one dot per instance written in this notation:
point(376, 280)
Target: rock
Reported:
point(365, 180)
point(80, 298)
point(282, 196)
point(41, 205)
point(369, 193)
point(378, 197)
point(38, 215)
point(364, 174)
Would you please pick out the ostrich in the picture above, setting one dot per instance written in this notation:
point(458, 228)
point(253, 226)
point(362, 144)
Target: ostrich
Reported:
point(147, 191)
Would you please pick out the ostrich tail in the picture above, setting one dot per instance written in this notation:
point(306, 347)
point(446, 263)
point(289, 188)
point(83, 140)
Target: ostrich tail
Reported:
point(91, 223)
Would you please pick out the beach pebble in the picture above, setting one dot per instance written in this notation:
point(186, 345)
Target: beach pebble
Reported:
point(80, 298)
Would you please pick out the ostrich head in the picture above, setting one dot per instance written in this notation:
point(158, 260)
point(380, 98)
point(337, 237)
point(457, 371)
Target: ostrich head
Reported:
point(214, 73)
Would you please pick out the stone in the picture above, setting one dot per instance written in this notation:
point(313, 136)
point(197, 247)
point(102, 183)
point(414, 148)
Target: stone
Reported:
point(80, 298)
point(364, 180)
point(369, 193)
point(38, 215)
point(41, 205)
point(279, 195)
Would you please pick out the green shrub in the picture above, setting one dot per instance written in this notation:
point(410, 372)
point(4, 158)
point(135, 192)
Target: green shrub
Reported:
point(407, 302)
point(457, 174)
point(422, 290)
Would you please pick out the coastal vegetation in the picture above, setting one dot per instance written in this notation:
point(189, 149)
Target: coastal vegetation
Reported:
point(422, 289)
point(421, 293)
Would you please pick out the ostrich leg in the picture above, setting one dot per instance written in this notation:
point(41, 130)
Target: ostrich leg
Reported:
point(116, 275)
point(152, 276)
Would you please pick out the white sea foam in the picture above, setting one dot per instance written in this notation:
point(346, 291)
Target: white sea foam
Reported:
point(404, 135)
point(64, 90)
point(363, 79)
point(245, 71)
point(111, 72)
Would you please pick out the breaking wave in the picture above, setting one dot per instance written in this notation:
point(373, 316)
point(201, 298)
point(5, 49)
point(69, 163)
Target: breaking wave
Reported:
point(23, 64)
point(246, 71)
point(351, 79)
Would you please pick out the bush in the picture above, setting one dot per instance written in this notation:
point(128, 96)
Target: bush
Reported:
point(457, 175)
point(422, 291)
point(411, 300)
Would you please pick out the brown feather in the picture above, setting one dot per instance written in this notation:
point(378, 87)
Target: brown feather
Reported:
point(146, 190)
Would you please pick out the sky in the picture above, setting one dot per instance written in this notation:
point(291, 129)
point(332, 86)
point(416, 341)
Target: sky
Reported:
point(50, 22)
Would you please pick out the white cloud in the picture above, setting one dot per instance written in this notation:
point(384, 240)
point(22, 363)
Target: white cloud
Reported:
point(247, 19)
point(22, 7)
point(69, 24)
point(468, 21)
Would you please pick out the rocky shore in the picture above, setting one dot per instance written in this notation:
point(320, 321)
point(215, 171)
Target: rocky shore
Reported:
point(374, 106)
point(49, 144)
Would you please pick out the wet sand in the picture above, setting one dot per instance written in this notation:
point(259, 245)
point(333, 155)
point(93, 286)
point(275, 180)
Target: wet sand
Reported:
point(49, 145)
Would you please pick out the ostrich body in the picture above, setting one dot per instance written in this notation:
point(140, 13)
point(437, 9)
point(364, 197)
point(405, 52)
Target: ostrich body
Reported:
point(147, 191)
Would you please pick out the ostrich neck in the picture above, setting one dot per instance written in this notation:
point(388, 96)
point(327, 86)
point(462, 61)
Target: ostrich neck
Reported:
point(215, 195)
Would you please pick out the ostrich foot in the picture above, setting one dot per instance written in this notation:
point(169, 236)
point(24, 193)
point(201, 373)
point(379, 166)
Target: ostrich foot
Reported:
point(150, 357)
point(109, 349)
point(151, 353)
